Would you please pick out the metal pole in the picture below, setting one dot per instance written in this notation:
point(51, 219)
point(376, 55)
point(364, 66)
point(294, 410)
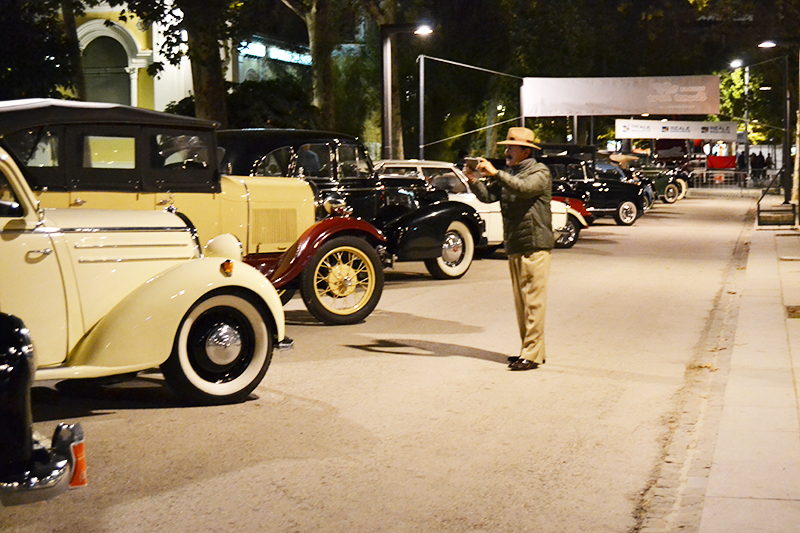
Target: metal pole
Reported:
point(421, 107)
point(387, 94)
point(747, 123)
point(796, 174)
point(786, 180)
point(575, 129)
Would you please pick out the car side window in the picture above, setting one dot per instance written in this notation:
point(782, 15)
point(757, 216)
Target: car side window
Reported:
point(179, 151)
point(400, 171)
point(101, 151)
point(178, 160)
point(444, 180)
point(103, 158)
point(558, 171)
point(39, 150)
point(37, 147)
point(274, 164)
point(313, 160)
point(575, 172)
point(353, 162)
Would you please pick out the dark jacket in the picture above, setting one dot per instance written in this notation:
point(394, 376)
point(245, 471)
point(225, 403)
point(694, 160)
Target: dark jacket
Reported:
point(524, 192)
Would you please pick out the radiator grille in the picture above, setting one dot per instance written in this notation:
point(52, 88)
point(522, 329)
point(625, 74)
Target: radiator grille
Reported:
point(274, 226)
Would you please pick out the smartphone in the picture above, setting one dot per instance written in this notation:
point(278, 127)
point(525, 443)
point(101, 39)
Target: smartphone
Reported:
point(471, 162)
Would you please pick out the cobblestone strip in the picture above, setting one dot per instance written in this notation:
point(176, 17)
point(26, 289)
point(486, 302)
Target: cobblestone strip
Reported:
point(674, 499)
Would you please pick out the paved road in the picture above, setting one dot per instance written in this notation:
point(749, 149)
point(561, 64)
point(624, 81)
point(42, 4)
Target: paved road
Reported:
point(410, 422)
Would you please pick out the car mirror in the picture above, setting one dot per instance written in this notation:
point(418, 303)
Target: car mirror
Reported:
point(11, 210)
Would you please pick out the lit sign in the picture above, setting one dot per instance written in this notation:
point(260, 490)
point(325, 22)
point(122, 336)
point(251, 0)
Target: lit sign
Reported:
point(279, 54)
point(253, 49)
point(673, 129)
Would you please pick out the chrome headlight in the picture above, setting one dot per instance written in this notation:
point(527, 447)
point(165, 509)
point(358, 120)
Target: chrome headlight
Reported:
point(337, 207)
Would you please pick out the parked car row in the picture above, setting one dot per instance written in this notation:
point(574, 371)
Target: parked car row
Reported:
point(575, 177)
point(133, 239)
point(441, 175)
point(99, 156)
point(104, 209)
point(418, 221)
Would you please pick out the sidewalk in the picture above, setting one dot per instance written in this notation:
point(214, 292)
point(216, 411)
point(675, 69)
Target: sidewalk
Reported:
point(754, 480)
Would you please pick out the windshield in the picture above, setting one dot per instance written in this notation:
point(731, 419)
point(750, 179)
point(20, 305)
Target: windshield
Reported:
point(354, 162)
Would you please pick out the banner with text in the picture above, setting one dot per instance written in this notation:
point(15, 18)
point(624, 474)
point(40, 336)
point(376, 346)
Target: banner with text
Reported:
point(656, 95)
point(674, 129)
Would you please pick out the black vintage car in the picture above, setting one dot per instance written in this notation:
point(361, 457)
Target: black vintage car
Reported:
point(30, 471)
point(418, 221)
point(575, 177)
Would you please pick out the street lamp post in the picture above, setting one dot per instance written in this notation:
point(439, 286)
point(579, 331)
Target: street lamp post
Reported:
point(387, 31)
point(796, 173)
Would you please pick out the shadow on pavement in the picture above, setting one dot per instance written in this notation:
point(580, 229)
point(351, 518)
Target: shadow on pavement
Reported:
point(428, 349)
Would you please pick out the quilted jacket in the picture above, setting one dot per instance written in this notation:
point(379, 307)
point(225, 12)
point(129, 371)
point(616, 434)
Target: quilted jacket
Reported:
point(524, 192)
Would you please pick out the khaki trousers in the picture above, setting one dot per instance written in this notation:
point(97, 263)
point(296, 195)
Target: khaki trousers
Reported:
point(529, 282)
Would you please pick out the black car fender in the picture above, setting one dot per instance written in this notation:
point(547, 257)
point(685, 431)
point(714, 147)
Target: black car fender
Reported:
point(418, 235)
point(29, 472)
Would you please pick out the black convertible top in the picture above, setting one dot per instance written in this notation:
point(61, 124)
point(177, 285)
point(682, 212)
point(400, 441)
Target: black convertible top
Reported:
point(16, 115)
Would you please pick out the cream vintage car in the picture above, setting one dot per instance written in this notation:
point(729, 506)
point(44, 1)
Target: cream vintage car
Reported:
point(107, 292)
point(86, 155)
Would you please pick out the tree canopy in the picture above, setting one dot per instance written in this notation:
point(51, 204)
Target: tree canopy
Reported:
point(520, 38)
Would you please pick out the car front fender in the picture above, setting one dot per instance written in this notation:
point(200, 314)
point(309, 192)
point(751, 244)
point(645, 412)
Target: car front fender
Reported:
point(419, 235)
point(578, 216)
point(296, 258)
point(138, 333)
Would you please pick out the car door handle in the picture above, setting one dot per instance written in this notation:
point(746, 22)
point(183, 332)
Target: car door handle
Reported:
point(77, 202)
point(43, 251)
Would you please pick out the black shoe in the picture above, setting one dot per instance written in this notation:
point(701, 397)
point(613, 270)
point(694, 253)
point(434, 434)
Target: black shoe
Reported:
point(513, 359)
point(523, 364)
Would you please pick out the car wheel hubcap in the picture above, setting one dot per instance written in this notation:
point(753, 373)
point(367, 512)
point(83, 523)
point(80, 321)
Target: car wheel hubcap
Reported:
point(627, 213)
point(223, 345)
point(452, 249)
point(340, 280)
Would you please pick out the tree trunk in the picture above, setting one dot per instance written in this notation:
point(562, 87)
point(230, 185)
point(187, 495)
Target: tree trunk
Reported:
point(208, 80)
point(398, 149)
point(386, 13)
point(71, 31)
point(321, 46)
point(491, 132)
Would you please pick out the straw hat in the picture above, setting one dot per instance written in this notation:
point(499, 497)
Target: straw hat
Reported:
point(520, 137)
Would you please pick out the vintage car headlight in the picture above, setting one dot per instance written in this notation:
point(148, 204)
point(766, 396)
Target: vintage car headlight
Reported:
point(337, 206)
point(225, 245)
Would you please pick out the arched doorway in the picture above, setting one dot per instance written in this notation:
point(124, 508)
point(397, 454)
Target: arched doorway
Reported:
point(105, 64)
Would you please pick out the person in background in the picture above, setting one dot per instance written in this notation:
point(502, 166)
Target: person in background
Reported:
point(524, 192)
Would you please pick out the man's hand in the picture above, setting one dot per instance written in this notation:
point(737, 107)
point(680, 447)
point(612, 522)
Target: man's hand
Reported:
point(484, 168)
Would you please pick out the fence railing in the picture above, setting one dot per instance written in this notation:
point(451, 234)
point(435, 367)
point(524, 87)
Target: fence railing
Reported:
point(719, 178)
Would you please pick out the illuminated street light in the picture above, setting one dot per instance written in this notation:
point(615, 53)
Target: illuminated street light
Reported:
point(387, 30)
